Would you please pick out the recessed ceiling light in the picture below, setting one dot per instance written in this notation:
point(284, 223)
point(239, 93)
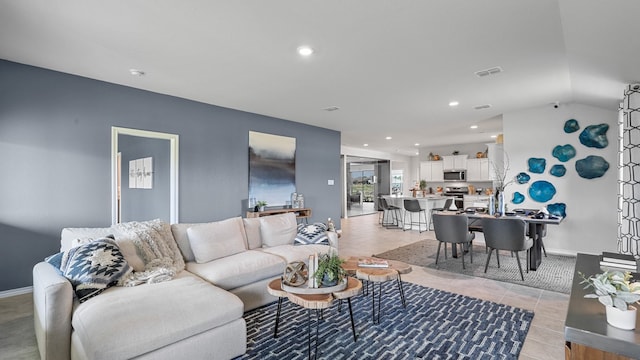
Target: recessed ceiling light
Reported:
point(388, 138)
point(368, 144)
point(473, 126)
point(136, 72)
point(454, 103)
point(305, 50)
point(416, 144)
point(494, 136)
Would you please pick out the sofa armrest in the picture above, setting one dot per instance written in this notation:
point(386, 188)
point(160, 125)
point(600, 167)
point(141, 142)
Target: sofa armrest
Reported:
point(52, 308)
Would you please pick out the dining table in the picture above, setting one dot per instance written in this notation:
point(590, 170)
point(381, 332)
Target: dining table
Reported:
point(536, 225)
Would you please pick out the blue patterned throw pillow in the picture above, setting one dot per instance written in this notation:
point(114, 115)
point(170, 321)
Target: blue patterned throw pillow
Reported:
point(312, 234)
point(93, 267)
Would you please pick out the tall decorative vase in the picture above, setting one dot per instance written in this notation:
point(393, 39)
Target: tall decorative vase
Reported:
point(499, 202)
point(622, 319)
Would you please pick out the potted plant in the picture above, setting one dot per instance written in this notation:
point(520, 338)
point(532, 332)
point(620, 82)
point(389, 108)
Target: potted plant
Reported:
point(423, 184)
point(615, 290)
point(260, 205)
point(329, 271)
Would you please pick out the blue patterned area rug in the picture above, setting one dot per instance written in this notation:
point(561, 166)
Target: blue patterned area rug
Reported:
point(435, 325)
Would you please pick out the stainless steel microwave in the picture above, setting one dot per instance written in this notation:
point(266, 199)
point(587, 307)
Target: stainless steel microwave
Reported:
point(455, 175)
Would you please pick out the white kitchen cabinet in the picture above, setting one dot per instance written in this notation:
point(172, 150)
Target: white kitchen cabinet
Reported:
point(431, 171)
point(455, 162)
point(478, 170)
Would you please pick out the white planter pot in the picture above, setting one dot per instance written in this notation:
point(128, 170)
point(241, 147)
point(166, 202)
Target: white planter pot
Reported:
point(622, 319)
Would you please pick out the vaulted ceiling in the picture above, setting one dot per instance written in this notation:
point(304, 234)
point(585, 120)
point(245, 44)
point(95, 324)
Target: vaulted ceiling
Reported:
point(390, 67)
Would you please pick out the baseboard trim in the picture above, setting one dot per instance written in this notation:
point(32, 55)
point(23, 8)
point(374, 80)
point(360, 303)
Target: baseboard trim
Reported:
point(14, 292)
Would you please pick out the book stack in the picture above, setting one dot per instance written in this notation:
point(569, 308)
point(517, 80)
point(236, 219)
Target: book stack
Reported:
point(313, 267)
point(618, 262)
point(372, 262)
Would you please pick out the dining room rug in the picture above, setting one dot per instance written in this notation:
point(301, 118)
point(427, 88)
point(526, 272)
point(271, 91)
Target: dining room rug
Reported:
point(434, 325)
point(555, 272)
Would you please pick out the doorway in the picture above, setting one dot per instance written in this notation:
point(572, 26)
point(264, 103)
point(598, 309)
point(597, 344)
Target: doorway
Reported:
point(366, 180)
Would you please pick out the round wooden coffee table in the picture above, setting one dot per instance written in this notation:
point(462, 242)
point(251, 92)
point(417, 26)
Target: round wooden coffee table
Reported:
point(318, 301)
point(378, 275)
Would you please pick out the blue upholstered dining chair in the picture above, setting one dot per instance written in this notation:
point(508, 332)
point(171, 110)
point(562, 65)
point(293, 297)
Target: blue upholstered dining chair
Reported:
point(506, 234)
point(453, 229)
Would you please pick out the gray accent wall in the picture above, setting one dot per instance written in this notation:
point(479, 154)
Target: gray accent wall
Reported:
point(55, 145)
point(145, 204)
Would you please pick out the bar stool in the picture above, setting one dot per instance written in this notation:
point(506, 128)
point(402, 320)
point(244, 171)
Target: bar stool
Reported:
point(412, 206)
point(447, 205)
point(389, 210)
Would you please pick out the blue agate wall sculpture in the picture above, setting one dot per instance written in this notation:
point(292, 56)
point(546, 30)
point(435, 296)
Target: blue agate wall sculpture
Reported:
point(564, 153)
point(558, 209)
point(542, 191)
point(595, 136)
point(558, 170)
point(571, 126)
point(592, 167)
point(537, 165)
point(523, 178)
point(518, 198)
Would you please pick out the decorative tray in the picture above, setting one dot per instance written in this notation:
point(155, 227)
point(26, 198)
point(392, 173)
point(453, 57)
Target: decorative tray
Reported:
point(304, 289)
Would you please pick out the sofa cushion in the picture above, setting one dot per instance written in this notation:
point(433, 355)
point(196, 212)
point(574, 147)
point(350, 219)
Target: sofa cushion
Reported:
point(179, 232)
point(240, 269)
point(312, 234)
point(252, 229)
point(164, 313)
point(291, 253)
point(69, 234)
point(278, 229)
point(217, 239)
point(93, 267)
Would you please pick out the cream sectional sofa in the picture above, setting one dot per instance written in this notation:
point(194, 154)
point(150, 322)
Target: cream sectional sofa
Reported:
point(196, 315)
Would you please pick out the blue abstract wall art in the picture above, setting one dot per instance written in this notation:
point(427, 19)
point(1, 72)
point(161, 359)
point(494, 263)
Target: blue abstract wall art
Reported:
point(571, 126)
point(558, 209)
point(558, 170)
point(523, 178)
point(595, 136)
point(537, 165)
point(592, 167)
point(564, 153)
point(542, 191)
point(518, 198)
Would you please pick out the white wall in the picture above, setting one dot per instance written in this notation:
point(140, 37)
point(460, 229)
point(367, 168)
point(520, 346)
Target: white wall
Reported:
point(591, 223)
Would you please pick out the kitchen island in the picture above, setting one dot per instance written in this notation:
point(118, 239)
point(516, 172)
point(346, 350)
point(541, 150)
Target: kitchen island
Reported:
point(428, 202)
point(586, 331)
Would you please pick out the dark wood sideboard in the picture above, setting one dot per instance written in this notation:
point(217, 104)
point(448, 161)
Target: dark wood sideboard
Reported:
point(586, 332)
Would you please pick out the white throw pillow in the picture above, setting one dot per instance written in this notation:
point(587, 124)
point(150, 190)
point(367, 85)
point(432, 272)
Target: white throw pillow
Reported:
point(277, 230)
point(217, 239)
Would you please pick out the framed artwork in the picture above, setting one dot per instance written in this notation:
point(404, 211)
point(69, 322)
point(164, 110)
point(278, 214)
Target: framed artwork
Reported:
point(272, 168)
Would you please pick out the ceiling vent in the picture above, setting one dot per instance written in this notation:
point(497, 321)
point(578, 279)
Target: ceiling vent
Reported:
point(487, 72)
point(331, 108)
point(480, 107)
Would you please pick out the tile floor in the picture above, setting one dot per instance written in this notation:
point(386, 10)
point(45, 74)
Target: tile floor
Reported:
point(362, 235)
